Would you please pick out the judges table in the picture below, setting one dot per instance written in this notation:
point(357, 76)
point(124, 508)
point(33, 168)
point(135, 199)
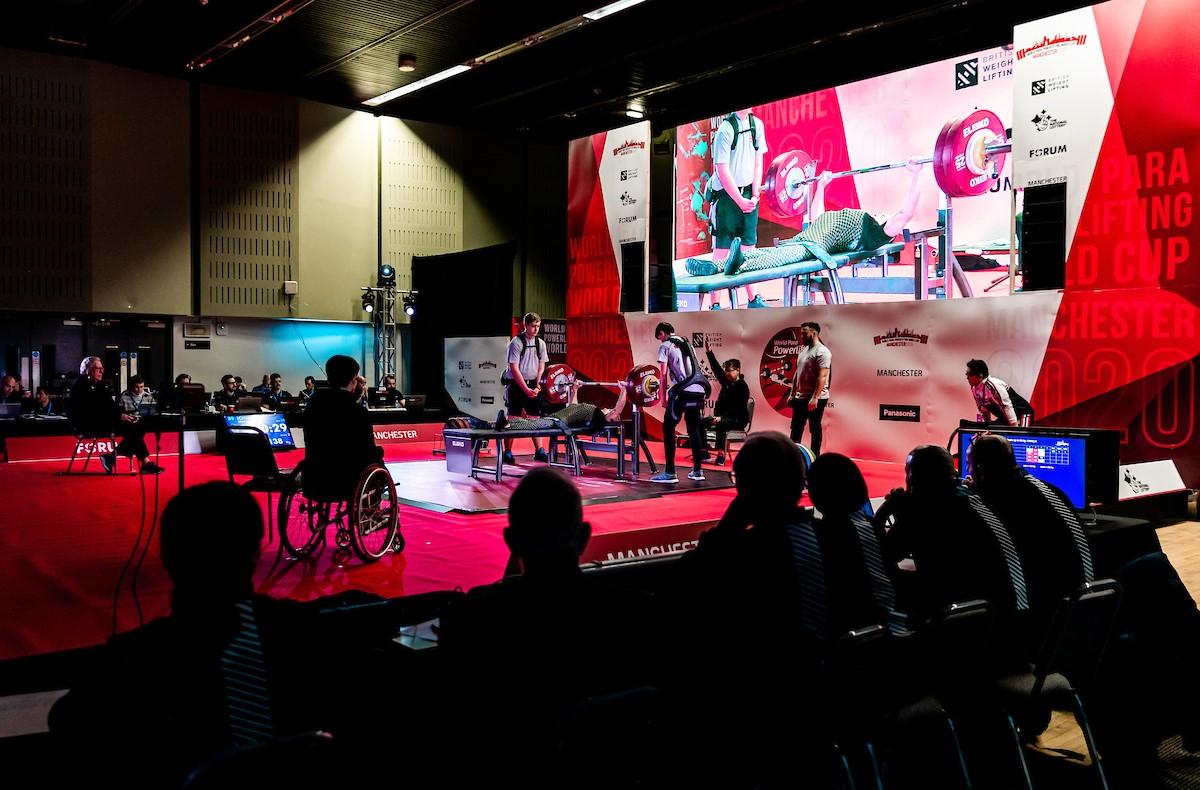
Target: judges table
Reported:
point(390, 425)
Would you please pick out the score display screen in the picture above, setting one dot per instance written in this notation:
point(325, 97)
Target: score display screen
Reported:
point(273, 425)
point(1058, 460)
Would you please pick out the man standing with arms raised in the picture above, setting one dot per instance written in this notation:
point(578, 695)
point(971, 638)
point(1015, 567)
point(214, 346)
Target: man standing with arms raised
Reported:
point(810, 387)
point(527, 358)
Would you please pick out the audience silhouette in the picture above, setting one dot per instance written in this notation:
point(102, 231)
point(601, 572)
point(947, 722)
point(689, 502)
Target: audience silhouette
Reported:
point(162, 697)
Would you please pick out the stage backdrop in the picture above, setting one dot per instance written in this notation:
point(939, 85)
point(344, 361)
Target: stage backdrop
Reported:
point(879, 120)
point(1108, 98)
point(608, 193)
point(898, 368)
point(473, 366)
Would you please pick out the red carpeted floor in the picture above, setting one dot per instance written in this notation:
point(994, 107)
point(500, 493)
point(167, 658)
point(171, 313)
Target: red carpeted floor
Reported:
point(64, 541)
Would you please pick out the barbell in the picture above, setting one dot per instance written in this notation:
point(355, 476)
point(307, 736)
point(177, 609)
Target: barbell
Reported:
point(969, 151)
point(641, 385)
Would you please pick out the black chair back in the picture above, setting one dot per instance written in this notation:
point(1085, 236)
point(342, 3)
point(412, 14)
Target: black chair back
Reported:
point(248, 452)
point(1079, 632)
point(307, 760)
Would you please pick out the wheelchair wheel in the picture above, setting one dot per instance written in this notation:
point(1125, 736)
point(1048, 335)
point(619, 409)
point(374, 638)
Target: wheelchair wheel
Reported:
point(374, 519)
point(302, 522)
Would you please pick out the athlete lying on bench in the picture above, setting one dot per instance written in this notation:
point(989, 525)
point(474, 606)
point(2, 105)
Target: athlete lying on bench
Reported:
point(574, 415)
point(835, 232)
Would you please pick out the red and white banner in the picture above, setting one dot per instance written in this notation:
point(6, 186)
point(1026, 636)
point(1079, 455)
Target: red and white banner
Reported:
point(608, 195)
point(898, 368)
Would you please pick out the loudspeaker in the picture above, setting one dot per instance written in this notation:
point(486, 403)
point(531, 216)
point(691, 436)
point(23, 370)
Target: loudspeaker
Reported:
point(1044, 238)
point(633, 277)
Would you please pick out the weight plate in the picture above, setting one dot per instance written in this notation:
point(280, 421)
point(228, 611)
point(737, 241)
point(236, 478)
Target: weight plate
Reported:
point(960, 161)
point(785, 191)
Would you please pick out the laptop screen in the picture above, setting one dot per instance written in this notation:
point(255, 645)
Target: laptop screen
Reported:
point(10, 410)
point(274, 425)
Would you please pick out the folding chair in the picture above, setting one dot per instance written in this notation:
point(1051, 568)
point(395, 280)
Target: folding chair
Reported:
point(248, 452)
point(1068, 661)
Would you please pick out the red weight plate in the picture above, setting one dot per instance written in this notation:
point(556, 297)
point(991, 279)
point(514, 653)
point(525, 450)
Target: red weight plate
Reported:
point(642, 385)
point(784, 192)
point(556, 383)
point(960, 164)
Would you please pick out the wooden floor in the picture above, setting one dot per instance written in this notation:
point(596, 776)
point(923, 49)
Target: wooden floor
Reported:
point(1181, 544)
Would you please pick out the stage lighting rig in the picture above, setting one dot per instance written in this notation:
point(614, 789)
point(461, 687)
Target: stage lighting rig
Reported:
point(387, 276)
point(410, 304)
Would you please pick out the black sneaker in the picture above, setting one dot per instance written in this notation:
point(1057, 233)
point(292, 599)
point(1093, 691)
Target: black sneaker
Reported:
point(151, 468)
point(509, 458)
point(108, 461)
point(541, 455)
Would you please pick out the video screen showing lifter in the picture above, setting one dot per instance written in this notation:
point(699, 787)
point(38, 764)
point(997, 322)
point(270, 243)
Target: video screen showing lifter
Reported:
point(832, 232)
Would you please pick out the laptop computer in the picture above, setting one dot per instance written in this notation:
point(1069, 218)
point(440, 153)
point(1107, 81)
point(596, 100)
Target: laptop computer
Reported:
point(248, 403)
point(9, 410)
point(147, 409)
point(414, 401)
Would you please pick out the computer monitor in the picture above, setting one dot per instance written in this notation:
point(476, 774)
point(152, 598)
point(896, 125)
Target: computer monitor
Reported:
point(248, 403)
point(378, 398)
point(9, 410)
point(274, 425)
point(191, 397)
point(1082, 462)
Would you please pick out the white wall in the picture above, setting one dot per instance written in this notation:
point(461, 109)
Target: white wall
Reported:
point(252, 347)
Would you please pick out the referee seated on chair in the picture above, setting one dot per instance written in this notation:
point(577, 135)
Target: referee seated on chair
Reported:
point(732, 410)
point(94, 413)
point(338, 441)
point(527, 358)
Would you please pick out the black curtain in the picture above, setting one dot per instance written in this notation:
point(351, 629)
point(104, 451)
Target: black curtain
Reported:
point(459, 294)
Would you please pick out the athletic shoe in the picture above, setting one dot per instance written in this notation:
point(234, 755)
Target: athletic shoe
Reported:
point(108, 461)
point(151, 468)
point(541, 455)
point(715, 307)
point(698, 267)
point(697, 475)
point(757, 302)
point(509, 458)
point(736, 258)
point(720, 459)
point(663, 477)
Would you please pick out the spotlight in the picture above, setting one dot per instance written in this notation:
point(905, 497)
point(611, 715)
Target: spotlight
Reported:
point(368, 302)
point(387, 275)
point(410, 305)
point(407, 62)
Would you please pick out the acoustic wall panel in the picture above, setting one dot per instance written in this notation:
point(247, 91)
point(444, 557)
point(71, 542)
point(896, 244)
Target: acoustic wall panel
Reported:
point(422, 196)
point(45, 229)
point(248, 201)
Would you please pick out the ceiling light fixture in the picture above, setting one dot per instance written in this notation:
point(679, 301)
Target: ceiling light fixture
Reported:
point(407, 63)
point(610, 9)
point(635, 113)
point(509, 49)
point(404, 90)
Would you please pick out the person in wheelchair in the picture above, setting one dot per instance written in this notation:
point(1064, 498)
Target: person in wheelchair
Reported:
point(338, 441)
point(575, 415)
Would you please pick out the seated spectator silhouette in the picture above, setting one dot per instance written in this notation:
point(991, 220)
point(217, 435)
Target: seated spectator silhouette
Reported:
point(960, 549)
point(862, 590)
point(522, 651)
point(752, 597)
point(225, 668)
point(1043, 524)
